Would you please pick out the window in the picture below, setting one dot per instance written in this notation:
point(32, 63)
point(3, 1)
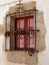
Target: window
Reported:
point(24, 38)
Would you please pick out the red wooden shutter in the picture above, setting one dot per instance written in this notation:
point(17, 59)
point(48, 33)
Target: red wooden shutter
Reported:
point(22, 41)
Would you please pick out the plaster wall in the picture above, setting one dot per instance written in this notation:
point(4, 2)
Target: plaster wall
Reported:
point(43, 57)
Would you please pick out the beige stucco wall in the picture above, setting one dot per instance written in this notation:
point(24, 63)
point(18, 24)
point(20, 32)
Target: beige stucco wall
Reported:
point(2, 29)
point(41, 34)
point(15, 57)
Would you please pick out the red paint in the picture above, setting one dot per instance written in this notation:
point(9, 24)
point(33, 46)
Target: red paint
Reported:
point(22, 41)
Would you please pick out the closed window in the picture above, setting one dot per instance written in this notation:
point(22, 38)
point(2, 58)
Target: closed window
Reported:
point(24, 39)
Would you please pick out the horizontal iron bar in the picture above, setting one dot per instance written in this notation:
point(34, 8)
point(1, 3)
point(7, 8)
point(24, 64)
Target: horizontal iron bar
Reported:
point(23, 32)
point(21, 12)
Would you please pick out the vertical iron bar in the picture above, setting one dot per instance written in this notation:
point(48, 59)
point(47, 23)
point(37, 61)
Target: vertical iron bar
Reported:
point(19, 21)
point(35, 27)
point(24, 29)
point(15, 34)
point(29, 29)
point(5, 32)
point(10, 31)
point(35, 30)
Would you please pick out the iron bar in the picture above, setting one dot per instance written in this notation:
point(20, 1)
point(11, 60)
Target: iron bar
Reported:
point(19, 21)
point(29, 29)
point(10, 35)
point(24, 29)
point(35, 25)
point(5, 31)
point(15, 29)
point(26, 11)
